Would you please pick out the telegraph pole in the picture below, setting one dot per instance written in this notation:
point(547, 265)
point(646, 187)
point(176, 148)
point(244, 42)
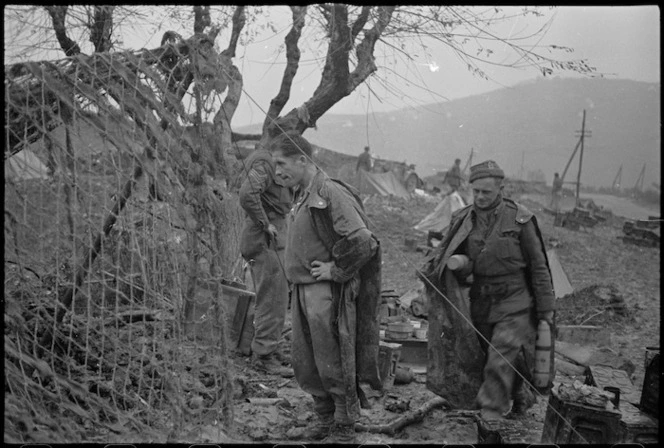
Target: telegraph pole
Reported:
point(584, 134)
point(617, 181)
point(468, 162)
point(639, 182)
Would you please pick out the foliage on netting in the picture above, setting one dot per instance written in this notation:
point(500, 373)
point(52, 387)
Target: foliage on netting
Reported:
point(115, 322)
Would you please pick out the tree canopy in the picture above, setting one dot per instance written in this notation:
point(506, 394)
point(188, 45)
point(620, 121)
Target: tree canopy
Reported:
point(350, 42)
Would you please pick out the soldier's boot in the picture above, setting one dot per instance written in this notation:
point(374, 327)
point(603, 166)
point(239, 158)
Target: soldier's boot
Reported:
point(488, 414)
point(317, 432)
point(268, 364)
point(341, 433)
point(281, 357)
point(524, 399)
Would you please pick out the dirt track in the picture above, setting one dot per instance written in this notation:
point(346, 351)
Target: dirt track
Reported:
point(619, 206)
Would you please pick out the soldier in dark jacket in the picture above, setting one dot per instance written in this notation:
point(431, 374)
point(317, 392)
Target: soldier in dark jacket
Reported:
point(364, 161)
point(266, 203)
point(556, 192)
point(511, 287)
point(333, 263)
point(453, 176)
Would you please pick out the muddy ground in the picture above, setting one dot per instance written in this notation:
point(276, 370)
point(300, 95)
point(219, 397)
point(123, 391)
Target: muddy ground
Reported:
point(589, 257)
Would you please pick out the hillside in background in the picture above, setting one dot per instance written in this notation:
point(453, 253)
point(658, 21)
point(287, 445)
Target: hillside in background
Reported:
point(530, 127)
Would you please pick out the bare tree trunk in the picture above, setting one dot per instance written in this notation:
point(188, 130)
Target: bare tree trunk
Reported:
point(222, 120)
point(101, 28)
point(337, 81)
point(239, 20)
point(58, 15)
point(292, 62)
point(201, 18)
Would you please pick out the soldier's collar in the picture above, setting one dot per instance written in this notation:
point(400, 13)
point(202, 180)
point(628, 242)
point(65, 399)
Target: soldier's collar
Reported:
point(494, 209)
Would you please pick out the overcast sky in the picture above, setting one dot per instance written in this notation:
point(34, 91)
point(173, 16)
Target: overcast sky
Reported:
point(620, 41)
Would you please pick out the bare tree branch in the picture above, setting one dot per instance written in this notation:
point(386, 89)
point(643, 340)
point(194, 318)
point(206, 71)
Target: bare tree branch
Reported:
point(336, 67)
point(325, 11)
point(366, 64)
point(239, 20)
point(222, 119)
point(336, 81)
point(292, 63)
point(361, 21)
point(201, 18)
point(58, 15)
point(236, 137)
point(101, 27)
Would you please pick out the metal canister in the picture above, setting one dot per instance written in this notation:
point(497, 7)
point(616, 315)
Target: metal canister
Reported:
point(456, 262)
point(541, 376)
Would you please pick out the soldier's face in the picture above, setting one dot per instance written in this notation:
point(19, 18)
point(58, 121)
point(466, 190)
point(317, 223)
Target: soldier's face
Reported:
point(486, 190)
point(290, 169)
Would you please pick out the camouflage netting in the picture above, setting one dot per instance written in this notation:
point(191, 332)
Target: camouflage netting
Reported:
point(118, 227)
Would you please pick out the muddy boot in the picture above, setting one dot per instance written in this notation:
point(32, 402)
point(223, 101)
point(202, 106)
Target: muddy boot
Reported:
point(341, 433)
point(281, 357)
point(316, 432)
point(524, 399)
point(268, 364)
point(489, 415)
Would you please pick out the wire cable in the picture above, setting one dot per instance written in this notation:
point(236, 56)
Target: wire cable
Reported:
point(433, 287)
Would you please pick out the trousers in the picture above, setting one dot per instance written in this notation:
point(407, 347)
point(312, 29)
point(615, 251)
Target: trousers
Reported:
point(315, 352)
point(509, 359)
point(555, 201)
point(271, 300)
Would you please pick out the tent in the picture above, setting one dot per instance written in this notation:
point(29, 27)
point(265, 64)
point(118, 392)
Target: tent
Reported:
point(561, 284)
point(25, 165)
point(384, 184)
point(440, 217)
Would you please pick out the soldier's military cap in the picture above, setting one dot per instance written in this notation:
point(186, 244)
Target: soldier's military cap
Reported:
point(488, 168)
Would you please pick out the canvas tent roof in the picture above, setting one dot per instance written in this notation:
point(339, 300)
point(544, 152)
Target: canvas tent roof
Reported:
point(561, 284)
point(384, 184)
point(440, 217)
point(25, 165)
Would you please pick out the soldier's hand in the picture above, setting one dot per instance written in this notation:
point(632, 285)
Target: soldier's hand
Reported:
point(321, 270)
point(547, 316)
point(271, 232)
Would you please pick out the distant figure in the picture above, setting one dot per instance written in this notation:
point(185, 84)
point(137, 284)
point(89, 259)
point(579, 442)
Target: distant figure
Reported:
point(364, 161)
point(453, 176)
point(556, 192)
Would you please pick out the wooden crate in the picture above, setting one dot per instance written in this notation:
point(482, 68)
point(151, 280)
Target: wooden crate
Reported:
point(638, 427)
point(569, 422)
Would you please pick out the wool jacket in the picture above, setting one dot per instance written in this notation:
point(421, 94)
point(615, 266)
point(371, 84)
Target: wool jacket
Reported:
point(357, 277)
point(265, 202)
point(516, 247)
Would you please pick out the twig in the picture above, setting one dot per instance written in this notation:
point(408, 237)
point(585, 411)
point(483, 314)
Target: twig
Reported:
point(137, 316)
point(401, 422)
point(596, 314)
point(266, 401)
